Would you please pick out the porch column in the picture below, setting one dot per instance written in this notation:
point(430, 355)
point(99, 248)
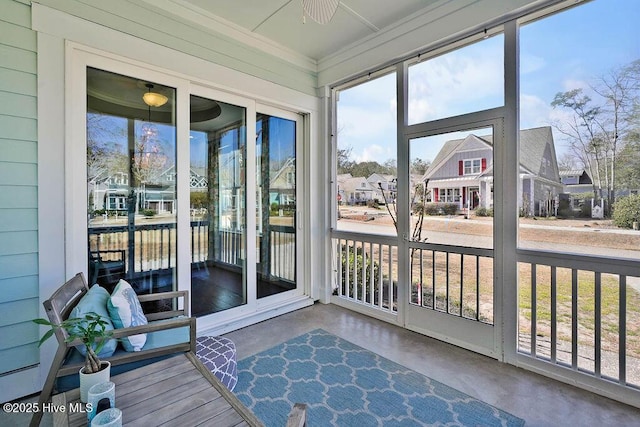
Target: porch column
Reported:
point(532, 195)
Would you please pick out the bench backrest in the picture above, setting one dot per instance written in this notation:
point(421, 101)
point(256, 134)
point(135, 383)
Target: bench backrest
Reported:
point(63, 300)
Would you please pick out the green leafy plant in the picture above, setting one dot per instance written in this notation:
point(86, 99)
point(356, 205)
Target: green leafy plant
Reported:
point(626, 211)
point(89, 329)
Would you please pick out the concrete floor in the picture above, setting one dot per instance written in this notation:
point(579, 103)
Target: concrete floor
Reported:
point(536, 399)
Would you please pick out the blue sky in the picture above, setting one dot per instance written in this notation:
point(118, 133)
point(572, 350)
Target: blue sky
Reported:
point(558, 53)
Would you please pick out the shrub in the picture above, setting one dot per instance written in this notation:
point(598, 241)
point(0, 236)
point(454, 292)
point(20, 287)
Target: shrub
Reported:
point(437, 208)
point(199, 199)
point(626, 210)
point(450, 208)
point(484, 212)
point(431, 209)
point(373, 203)
point(148, 212)
point(359, 257)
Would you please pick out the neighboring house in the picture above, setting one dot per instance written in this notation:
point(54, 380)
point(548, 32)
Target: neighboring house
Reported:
point(282, 184)
point(462, 172)
point(340, 181)
point(579, 185)
point(111, 193)
point(576, 181)
point(357, 190)
point(384, 183)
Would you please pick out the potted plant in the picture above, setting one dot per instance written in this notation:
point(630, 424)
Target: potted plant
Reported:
point(91, 330)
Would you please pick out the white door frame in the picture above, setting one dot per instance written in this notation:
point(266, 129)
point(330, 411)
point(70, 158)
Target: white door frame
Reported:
point(478, 336)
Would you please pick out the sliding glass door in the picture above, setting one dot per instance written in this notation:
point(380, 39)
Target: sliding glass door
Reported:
point(276, 206)
point(172, 174)
point(217, 205)
point(131, 187)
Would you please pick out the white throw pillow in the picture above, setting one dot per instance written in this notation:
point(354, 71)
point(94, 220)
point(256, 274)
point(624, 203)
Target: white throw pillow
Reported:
point(125, 311)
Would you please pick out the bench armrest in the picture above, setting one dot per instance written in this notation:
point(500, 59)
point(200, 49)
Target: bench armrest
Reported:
point(175, 295)
point(158, 325)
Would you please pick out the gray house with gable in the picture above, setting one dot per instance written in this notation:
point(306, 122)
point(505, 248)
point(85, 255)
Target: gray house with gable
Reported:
point(462, 172)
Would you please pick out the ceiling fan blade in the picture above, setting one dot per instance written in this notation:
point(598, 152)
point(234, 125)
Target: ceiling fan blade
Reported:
point(320, 11)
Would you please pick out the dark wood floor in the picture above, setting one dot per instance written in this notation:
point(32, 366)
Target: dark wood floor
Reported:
point(215, 289)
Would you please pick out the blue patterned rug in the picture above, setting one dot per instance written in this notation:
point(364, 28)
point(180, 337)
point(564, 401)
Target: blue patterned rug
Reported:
point(346, 385)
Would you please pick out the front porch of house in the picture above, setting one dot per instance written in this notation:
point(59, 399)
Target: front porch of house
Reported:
point(538, 400)
point(232, 189)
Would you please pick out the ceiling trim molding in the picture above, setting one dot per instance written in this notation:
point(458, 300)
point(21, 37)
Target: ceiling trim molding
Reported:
point(426, 30)
point(207, 21)
point(421, 18)
point(359, 17)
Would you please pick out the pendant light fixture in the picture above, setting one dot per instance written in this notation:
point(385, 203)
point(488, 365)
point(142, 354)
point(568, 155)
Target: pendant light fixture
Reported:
point(153, 99)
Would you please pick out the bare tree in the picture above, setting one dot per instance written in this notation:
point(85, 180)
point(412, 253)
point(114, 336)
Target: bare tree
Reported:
point(567, 162)
point(598, 129)
point(619, 89)
point(418, 200)
point(580, 131)
point(148, 156)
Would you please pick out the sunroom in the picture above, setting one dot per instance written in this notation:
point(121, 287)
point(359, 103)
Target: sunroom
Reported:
point(196, 145)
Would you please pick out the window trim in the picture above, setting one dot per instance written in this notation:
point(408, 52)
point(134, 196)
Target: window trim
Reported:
point(472, 166)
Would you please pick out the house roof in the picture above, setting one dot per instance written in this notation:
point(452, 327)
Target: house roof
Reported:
point(353, 184)
point(289, 164)
point(452, 146)
point(573, 172)
point(533, 143)
point(532, 146)
point(343, 177)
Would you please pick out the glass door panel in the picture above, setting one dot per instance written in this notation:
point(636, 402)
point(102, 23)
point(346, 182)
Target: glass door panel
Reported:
point(217, 205)
point(131, 186)
point(276, 204)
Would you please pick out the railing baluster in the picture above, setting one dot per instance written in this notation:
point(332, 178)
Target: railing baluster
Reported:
point(534, 309)
point(433, 279)
point(347, 268)
point(477, 287)
point(461, 283)
point(391, 292)
point(339, 281)
point(622, 331)
point(574, 319)
point(193, 244)
point(371, 275)
point(598, 324)
point(160, 250)
point(447, 282)
point(380, 250)
point(554, 314)
point(389, 274)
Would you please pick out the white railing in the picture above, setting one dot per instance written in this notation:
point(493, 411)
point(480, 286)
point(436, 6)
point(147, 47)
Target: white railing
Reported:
point(582, 313)
point(575, 312)
point(456, 280)
point(154, 247)
point(366, 270)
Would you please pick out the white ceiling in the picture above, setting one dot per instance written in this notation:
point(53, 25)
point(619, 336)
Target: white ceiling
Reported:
point(281, 21)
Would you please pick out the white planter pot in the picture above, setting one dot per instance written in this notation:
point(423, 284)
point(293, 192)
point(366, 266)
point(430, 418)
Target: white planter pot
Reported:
point(88, 380)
